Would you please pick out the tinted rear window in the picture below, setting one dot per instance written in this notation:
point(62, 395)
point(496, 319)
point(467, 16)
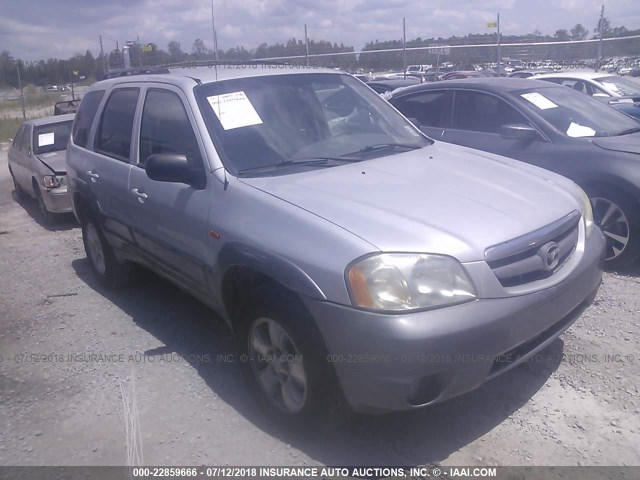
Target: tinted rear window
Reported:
point(84, 117)
point(113, 137)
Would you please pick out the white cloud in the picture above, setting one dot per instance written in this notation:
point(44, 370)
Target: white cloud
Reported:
point(65, 27)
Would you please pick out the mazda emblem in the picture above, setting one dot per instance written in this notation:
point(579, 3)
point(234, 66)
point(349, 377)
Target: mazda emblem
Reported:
point(550, 255)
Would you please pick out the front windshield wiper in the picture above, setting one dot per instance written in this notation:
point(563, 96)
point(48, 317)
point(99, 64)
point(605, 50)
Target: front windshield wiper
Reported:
point(322, 161)
point(378, 146)
point(316, 160)
point(627, 131)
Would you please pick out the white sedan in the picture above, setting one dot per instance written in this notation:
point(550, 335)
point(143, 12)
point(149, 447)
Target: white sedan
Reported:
point(596, 84)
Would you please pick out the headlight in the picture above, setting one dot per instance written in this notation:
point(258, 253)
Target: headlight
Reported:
point(53, 181)
point(587, 211)
point(408, 281)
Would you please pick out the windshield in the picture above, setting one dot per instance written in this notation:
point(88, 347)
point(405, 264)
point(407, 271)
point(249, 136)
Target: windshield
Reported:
point(575, 114)
point(278, 120)
point(625, 87)
point(51, 138)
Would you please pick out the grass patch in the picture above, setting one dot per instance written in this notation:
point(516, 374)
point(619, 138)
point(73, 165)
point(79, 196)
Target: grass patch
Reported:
point(9, 127)
point(35, 100)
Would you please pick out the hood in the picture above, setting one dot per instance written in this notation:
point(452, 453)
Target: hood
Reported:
point(626, 143)
point(56, 161)
point(440, 199)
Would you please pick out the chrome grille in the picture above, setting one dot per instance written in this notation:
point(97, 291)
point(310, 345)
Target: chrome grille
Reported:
point(536, 255)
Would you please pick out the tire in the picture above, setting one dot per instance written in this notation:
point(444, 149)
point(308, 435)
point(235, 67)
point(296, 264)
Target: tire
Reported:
point(618, 216)
point(46, 216)
point(109, 272)
point(20, 194)
point(284, 360)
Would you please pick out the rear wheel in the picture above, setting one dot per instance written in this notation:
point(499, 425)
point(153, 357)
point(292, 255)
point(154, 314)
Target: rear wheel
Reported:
point(105, 265)
point(617, 216)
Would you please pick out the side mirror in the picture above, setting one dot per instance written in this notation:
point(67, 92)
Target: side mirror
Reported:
point(518, 132)
point(169, 167)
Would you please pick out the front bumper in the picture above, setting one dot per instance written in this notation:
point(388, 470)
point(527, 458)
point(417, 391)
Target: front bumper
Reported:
point(57, 200)
point(398, 362)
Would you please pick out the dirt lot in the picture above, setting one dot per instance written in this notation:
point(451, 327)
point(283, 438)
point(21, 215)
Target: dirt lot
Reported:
point(61, 406)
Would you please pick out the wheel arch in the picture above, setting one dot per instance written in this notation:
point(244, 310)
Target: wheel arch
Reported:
point(243, 269)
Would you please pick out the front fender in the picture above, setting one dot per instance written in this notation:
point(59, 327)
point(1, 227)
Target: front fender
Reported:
point(270, 264)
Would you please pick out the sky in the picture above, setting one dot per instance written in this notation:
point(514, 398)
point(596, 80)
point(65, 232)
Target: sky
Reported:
point(41, 29)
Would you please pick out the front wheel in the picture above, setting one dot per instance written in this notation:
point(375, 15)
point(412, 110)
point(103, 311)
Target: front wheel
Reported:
point(46, 216)
point(284, 360)
point(617, 217)
point(109, 272)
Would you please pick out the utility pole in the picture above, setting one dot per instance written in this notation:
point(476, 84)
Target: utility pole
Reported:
point(105, 65)
point(499, 40)
point(215, 36)
point(24, 113)
point(600, 28)
point(306, 43)
point(71, 77)
point(404, 47)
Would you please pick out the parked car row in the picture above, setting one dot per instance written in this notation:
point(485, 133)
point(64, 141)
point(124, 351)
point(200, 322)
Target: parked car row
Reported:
point(340, 243)
point(548, 126)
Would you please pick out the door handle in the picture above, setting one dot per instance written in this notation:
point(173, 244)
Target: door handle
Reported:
point(93, 175)
point(141, 195)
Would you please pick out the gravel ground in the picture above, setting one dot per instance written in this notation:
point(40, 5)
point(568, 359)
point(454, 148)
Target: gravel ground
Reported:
point(578, 404)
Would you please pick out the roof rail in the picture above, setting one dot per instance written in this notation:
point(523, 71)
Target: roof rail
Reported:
point(125, 72)
point(215, 63)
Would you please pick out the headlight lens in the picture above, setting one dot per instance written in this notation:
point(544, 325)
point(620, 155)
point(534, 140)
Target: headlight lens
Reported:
point(587, 211)
point(401, 282)
point(51, 181)
point(55, 181)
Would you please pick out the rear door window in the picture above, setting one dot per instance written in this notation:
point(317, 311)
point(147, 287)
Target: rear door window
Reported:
point(84, 117)
point(481, 112)
point(430, 109)
point(25, 141)
point(18, 138)
point(113, 137)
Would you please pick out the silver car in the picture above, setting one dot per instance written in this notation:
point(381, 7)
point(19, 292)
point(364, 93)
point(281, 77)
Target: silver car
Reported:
point(354, 258)
point(37, 163)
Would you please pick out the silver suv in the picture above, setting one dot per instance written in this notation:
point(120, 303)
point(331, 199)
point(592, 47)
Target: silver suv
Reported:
point(348, 252)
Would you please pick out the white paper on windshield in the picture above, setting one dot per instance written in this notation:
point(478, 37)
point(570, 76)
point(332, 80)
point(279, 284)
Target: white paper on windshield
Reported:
point(45, 139)
point(539, 100)
point(234, 110)
point(576, 130)
point(611, 86)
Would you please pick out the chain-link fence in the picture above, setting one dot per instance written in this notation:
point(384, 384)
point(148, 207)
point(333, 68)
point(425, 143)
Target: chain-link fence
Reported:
point(565, 54)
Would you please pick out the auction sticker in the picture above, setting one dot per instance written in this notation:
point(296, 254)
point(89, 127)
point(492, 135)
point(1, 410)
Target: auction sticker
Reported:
point(540, 101)
point(234, 110)
point(45, 139)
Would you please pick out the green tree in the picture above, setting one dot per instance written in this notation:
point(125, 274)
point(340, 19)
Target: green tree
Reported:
point(579, 32)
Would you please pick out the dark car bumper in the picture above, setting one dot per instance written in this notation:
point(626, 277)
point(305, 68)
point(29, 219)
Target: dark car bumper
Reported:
point(398, 362)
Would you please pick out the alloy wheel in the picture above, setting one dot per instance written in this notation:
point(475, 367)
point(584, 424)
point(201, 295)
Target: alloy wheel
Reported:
point(614, 224)
point(277, 365)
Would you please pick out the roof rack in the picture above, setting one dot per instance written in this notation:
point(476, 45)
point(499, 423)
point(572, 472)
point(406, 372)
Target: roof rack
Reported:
point(125, 72)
